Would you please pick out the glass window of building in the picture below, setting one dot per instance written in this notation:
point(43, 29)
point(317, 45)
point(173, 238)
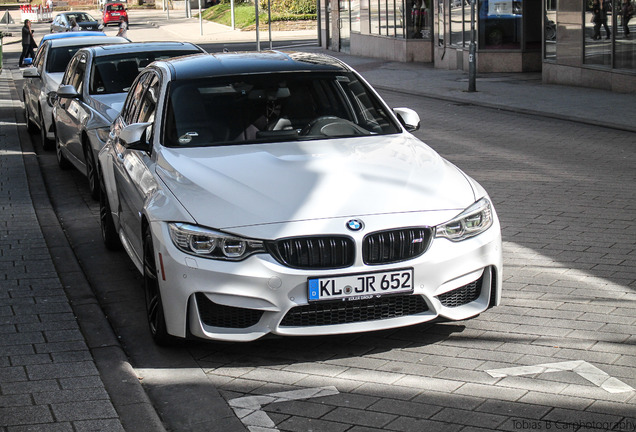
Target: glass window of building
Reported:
point(550, 29)
point(500, 24)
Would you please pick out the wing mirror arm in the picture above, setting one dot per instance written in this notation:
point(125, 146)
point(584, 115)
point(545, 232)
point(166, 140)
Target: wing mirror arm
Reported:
point(409, 118)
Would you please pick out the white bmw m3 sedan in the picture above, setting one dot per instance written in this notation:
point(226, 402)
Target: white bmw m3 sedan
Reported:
point(276, 193)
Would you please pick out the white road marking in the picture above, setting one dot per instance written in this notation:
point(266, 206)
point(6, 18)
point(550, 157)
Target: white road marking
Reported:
point(583, 368)
point(248, 408)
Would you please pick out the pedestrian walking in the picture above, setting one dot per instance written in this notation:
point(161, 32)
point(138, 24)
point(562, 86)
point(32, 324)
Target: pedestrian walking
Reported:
point(123, 27)
point(627, 11)
point(28, 43)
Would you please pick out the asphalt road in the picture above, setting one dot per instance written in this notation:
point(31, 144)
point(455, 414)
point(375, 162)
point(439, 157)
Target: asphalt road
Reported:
point(564, 334)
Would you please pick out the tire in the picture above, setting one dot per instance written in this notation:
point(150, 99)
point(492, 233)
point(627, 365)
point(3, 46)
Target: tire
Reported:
point(109, 233)
point(27, 116)
point(47, 144)
point(62, 162)
point(152, 293)
point(91, 172)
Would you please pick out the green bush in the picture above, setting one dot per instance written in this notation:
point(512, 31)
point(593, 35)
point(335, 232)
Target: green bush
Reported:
point(290, 7)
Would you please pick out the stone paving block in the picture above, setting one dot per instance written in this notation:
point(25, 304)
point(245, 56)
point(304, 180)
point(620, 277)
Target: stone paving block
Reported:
point(300, 408)
point(61, 370)
point(98, 425)
point(470, 418)
point(23, 415)
point(43, 427)
point(11, 400)
point(65, 396)
point(8, 339)
point(303, 424)
point(428, 383)
point(451, 362)
point(12, 374)
point(464, 375)
point(316, 368)
point(276, 376)
point(55, 347)
point(374, 376)
point(405, 408)
point(408, 424)
point(486, 392)
point(349, 400)
point(556, 400)
point(85, 410)
point(81, 382)
point(359, 417)
point(384, 390)
point(573, 417)
point(29, 359)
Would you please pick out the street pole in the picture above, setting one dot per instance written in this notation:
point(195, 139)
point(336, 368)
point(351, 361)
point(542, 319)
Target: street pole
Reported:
point(269, 19)
point(200, 19)
point(258, 40)
point(472, 59)
point(232, 12)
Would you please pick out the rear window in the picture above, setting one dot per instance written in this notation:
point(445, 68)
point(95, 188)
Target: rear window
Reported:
point(116, 73)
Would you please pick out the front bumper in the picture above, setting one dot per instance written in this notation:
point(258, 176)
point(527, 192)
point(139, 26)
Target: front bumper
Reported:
point(246, 300)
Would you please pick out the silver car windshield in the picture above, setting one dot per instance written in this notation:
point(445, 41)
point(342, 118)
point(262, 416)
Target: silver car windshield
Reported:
point(272, 107)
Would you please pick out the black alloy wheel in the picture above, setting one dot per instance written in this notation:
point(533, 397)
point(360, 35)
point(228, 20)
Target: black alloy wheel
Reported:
point(107, 225)
point(47, 144)
point(154, 305)
point(91, 171)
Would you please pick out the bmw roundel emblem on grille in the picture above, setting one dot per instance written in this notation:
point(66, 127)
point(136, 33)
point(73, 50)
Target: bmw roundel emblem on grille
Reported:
point(355, 225)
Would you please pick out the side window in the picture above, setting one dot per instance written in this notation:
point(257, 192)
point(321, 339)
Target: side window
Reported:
point(134, 98)
point(77, 78)
point(70, 71)
point(38, 62)
point(148, 105)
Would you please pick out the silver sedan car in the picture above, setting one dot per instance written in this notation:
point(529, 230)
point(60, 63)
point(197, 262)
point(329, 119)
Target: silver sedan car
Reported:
point(44, 76)
point(91, 94)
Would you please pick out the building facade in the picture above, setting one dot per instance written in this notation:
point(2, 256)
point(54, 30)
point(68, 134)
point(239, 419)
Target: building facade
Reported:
point(589, 43)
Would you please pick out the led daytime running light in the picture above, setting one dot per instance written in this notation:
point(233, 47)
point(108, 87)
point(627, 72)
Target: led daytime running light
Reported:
point(473, 221)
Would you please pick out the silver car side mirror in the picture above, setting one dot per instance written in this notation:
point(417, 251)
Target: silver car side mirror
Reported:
point(67, 91)
point(31, 72)
point(133, 136)
point(409, 118)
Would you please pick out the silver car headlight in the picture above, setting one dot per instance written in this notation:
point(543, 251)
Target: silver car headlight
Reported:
point(473, 221)
point(207, 243)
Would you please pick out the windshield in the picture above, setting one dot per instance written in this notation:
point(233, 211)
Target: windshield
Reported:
point(116, 73)
point(80, 17)
point(58, 58)
point(272, 107)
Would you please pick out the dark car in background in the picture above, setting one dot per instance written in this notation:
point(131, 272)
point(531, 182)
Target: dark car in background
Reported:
point(92, 93)
point(62, 22)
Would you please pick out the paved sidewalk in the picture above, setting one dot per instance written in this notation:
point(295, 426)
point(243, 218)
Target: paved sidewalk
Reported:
point(61, 366)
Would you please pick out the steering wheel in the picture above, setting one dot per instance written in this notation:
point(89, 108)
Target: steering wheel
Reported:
point(332, 126)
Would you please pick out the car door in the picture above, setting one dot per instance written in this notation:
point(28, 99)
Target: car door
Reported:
point(72, 112)
point(133, 176)
point(33, 85)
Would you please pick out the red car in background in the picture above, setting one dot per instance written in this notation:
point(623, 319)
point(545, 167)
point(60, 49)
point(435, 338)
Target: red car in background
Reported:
point(113, 12)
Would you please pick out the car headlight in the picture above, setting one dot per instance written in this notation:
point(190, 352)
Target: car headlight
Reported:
point(473, 221)
point(102, 133)
point(207, 243)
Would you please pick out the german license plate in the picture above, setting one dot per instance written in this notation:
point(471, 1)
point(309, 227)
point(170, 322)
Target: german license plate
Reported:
point(361, 286)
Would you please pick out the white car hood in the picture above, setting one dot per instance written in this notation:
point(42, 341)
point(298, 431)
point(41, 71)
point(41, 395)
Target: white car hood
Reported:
point(242, 185)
